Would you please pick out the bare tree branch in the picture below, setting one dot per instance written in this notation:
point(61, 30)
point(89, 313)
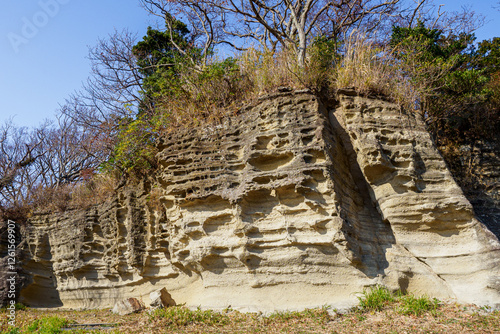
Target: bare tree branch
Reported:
point(271, 23)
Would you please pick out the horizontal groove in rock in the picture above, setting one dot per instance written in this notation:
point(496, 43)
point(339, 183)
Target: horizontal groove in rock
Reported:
point(287, 196)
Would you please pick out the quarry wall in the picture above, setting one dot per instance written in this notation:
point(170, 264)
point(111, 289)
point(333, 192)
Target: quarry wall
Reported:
point(291, 203)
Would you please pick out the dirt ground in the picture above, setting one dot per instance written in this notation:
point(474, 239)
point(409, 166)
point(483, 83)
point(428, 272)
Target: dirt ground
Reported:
point(447, 318)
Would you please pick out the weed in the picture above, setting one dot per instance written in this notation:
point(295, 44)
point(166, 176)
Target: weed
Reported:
point(375, 298)
point(14, 330)
point(320, 315)
point(49, 325)
point(418, 305)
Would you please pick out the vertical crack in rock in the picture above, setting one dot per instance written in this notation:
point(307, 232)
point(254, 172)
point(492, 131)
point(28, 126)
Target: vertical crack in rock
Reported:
point(417, 195)
point(374, 234)
point(286, 205)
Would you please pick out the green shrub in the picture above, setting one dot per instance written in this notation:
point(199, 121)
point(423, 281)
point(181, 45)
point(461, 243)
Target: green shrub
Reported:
point(135, 150)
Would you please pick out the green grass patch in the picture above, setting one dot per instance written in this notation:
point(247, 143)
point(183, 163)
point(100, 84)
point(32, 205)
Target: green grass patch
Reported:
point(49, 325)
point(14, 330)
point(418, 305)
point(375, 298)
point(319, 315)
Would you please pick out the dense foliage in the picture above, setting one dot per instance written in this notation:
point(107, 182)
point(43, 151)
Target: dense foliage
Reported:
point(459, 105)
point(160, 62)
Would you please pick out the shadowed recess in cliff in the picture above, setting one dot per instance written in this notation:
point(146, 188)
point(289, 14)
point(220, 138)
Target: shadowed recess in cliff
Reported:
point(286, 205)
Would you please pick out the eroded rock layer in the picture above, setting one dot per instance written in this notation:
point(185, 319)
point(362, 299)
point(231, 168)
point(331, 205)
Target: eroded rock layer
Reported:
point(290, 204)
point(416, 194)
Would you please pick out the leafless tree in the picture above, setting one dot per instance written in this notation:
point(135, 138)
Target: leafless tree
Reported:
point(272, 23)
point(69, 150)
point(20, 148)
point(113, 91)
point(48, 156)
point(435, 16)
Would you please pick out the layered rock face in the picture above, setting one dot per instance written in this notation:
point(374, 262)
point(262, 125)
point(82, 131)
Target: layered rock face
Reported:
point(287, 205)
point(415, 193)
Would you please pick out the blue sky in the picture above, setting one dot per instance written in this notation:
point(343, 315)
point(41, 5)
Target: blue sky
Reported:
point(44, 44)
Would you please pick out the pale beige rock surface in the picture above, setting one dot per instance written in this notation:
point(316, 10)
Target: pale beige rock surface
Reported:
point(127, 306)
point(161, 298)
point(290, 204)
point(416, 194)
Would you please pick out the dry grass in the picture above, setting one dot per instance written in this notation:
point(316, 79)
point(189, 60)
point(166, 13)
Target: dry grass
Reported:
point(370, 68)
point(375, 69)
point(84, 194)
point(93, 191)
point(449, 319)
point(207, 97)
point(225, 86)
point(364, 66)
point(268, 70)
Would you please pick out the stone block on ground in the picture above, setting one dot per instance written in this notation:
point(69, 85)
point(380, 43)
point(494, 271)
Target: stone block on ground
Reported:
point(161, 298)
point(128, 306)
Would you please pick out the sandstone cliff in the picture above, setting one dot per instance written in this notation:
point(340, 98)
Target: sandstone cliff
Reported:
point(290, 204)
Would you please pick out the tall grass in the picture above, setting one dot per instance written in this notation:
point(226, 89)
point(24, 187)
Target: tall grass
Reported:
point(394, 72)
point(92, 191)
point(47, 325)
point(267, 70)
point(375, 298)
point(372, 69)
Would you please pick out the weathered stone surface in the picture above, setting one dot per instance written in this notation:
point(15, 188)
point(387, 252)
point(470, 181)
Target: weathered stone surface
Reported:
point(290, 204)
point(161, 298)
point(415, 193)
point(127, 306)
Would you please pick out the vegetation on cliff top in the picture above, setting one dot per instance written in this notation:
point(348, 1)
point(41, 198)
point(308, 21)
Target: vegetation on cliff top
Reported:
point(178, 76)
